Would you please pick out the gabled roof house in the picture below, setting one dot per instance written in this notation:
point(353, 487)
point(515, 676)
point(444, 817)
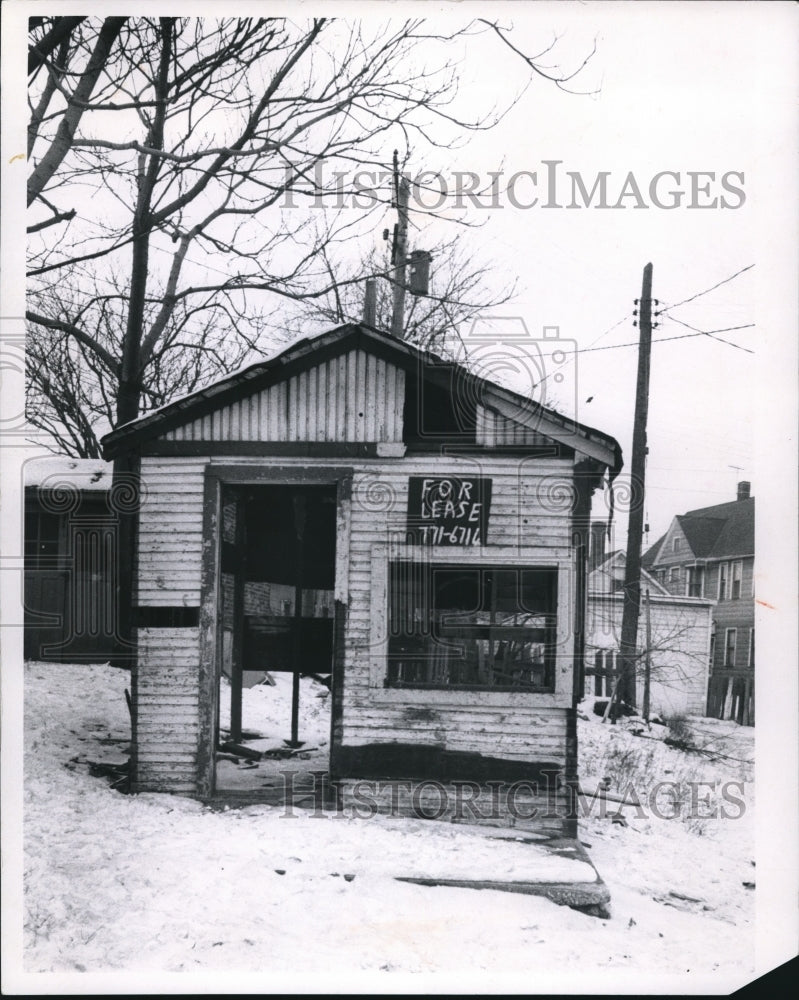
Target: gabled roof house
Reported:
point(710, 552)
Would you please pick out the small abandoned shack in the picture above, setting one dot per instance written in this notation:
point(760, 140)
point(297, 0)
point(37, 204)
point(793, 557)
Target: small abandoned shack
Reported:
point(360, 509)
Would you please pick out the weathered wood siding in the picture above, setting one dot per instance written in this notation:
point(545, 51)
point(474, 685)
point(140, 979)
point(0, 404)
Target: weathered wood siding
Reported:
point(169, 575)
point(168, 709)
point(170, 532)
point(530, 521)
point(355, 397)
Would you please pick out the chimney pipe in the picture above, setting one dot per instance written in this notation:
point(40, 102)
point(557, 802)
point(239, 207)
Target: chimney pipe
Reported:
point(743, 490)
point(370, 303)
point(596, 555)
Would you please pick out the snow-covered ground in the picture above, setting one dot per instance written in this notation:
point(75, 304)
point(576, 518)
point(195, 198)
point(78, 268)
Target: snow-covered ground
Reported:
point(156, 884)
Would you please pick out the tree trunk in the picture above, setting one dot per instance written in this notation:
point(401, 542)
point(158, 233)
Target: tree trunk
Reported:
point(62, 143)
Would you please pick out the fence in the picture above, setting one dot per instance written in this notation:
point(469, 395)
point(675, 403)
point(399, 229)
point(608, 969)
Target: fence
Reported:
point(731, 695)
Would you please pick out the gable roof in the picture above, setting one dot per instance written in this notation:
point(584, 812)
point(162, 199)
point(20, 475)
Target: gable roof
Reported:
point(602, 580)
point(649, 557)
point(308, 352)
point(723, 531)
point(736, 536)
point(700, 532)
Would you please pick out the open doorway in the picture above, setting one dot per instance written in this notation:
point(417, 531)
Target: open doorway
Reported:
point(276, 618)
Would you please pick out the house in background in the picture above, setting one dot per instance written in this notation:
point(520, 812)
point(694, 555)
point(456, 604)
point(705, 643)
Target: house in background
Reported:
point(677, 629)
point(70, 547)
point(710, 552)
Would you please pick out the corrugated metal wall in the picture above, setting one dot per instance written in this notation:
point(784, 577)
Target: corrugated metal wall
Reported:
point(493, 430)
point(355, 397)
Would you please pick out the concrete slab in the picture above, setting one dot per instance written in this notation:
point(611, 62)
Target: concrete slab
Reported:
point(589, 895)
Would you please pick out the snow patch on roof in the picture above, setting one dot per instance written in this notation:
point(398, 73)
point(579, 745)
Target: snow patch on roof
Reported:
point(61, 470)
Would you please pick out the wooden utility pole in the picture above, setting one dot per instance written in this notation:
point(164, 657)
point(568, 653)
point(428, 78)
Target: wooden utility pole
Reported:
point(635, 529)
point(400, 251)
point(648, 658)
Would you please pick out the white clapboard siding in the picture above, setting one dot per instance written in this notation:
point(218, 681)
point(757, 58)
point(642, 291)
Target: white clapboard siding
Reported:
point(168, 702)
point(355, 397)
point(680, 649)
point(170, 532)
point(531, 501)
point(538, 735)
point(531, 508)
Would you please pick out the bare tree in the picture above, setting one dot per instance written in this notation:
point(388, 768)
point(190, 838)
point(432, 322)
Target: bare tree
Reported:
point(676, 650)
point(185, 165)
point(71, 387)
point(198, 139)
point(462, 287)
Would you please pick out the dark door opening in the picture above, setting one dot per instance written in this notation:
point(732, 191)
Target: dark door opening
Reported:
point(276, 630)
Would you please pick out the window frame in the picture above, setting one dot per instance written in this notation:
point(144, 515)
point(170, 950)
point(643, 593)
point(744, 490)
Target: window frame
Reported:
point(34, 538)
point(554, 557)
point(496, 631)
point(724, 576)
point(736, 563)
point(691, 571)
point(733, 631)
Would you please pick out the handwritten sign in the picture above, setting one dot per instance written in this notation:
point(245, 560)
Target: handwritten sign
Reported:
point(448, 510)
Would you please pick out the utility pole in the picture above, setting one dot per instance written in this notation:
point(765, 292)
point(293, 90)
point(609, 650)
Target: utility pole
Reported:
point(399, 252)
point(632, 572)
point(648, 660)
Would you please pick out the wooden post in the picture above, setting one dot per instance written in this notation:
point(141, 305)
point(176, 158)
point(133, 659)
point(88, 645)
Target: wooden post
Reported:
point(237, 653)
point(635, 530)
point(402, 191)
point(299, 529)
point(648, 660)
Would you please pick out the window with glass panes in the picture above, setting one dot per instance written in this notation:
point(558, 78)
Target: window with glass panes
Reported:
point(471, 626)
point(42, 533)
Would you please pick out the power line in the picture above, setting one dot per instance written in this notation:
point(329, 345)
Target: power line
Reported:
point(712, 288)
point(609, 329)
point(712, 333)
point(662, 340)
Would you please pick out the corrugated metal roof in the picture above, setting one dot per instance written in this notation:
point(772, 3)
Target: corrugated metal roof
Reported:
point(304, 353)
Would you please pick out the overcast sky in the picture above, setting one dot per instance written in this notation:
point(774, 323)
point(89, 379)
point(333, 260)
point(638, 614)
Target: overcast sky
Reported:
point(683, 88)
